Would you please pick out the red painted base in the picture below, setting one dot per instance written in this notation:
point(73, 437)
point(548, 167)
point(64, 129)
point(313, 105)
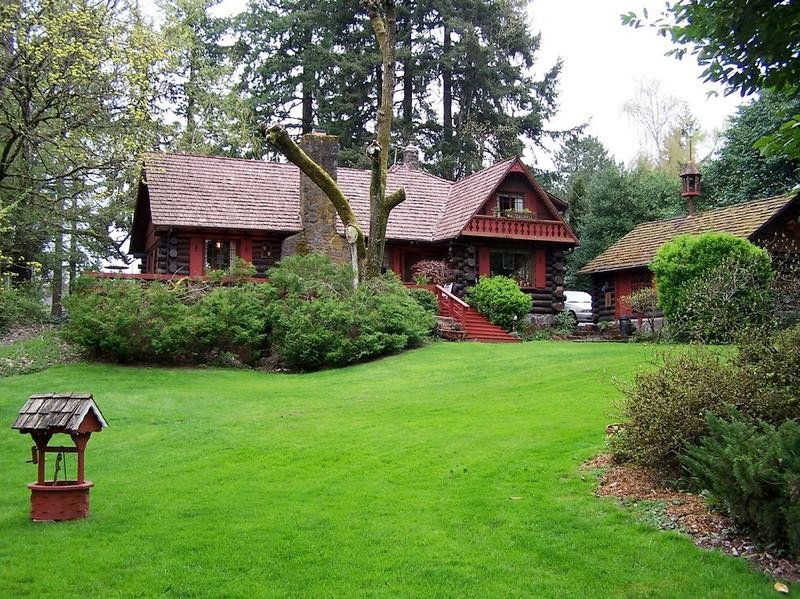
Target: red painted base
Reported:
point(62, 500)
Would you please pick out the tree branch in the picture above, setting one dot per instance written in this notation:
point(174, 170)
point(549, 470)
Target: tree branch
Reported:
point(396, 197)
point(278, 137)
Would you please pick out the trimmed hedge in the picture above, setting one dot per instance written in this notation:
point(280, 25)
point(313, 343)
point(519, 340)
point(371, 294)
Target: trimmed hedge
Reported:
point(710, 286)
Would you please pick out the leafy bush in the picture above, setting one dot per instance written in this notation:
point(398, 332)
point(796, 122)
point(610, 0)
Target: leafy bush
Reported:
point(308, 313)
point(426, 299)
point(753, 471)
point(433, 272)
point(128, 321)
point(566, 323)
point(20, 305)
point(500, 300)
point(310, 276)
point(232, 320)
point(711, 285)
point(315, 326)
point(645, 302)
point(664, 409)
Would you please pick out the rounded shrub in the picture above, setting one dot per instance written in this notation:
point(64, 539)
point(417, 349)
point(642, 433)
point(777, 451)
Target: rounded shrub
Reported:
point(20, 305)
point(317, 323)
point(500, 300)
point(712, 285)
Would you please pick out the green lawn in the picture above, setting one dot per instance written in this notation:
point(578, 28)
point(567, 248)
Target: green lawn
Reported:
point(387, 479)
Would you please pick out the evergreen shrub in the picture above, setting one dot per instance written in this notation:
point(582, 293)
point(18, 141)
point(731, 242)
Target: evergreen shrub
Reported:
point(171, 322)
point(500, 300)
point(665, 409)
point(20, 305)
point(308, 316)
point(710, 286)
point(315, 325)
point(752, 469)
point(426, 299)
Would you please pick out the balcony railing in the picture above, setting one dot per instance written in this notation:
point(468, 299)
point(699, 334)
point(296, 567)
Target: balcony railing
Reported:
point(513, 228)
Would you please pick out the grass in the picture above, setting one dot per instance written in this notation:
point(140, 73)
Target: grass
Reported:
point(42, 350)
point(448, 471)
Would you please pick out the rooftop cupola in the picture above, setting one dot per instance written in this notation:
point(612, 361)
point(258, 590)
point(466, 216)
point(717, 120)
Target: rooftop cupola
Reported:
point(690, 182)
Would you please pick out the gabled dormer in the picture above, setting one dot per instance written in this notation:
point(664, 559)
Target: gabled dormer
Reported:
point(517, 207)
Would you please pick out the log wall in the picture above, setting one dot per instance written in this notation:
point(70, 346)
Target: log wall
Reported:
point(463, 259)
point(601, 312)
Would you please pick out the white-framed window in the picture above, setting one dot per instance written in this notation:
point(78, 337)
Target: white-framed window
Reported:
point(510, 202)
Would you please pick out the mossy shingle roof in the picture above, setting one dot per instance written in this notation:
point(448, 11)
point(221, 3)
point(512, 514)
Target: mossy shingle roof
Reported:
point(638, 247)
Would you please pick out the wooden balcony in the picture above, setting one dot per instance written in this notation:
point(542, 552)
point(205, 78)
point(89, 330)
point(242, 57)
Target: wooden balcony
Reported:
point(519, 228)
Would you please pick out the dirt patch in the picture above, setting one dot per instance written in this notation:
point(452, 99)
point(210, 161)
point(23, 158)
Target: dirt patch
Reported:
point(687, 513)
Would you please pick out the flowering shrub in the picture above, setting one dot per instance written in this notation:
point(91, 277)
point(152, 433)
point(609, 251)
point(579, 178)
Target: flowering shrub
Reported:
point(433, 272)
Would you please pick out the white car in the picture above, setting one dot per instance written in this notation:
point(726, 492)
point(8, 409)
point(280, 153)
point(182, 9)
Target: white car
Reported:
point(579, 304)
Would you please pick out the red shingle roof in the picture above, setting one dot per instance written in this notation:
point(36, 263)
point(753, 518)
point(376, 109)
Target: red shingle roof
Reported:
point(638, 247)
point(202, 191)
point(468, 195)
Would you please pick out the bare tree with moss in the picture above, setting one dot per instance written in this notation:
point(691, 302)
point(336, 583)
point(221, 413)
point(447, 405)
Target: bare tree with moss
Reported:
point(369, 251)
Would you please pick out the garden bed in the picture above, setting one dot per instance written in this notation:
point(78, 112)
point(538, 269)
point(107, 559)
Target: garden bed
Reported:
point(640, 489)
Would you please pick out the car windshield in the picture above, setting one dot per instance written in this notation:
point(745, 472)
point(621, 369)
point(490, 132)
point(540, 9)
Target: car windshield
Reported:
point(578, 297)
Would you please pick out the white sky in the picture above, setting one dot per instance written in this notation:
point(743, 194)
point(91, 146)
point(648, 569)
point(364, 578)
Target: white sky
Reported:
point(603, 61)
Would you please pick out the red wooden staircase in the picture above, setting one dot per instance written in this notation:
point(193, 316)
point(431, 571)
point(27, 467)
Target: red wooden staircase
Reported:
point(476, 326)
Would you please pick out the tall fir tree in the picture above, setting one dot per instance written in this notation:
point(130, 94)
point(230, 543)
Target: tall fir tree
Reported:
point(464, 93)
point(208, 116)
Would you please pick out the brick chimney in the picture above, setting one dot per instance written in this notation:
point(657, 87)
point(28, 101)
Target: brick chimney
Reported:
point(411, 156)
point(317, 214)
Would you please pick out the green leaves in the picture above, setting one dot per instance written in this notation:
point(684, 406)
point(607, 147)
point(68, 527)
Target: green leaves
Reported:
point(500, 300)
point(740, 274)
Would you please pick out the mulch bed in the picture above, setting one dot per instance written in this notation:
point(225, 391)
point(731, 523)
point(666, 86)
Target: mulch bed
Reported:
point(688, 513)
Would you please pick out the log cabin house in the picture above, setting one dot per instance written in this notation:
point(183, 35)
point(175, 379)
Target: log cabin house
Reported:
point(196, 213)
point(772, 223)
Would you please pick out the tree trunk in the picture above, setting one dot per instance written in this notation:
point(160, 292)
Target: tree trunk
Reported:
point(408, 78)
point(383, 18)
point(308, 106)
point(307, 89)
point(57, 281)
point(73, 245)
point(384, 23)
point(447, 100)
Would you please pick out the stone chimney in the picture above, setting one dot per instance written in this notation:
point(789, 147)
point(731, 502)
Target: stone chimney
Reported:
point(411, 156)
point(317, 214)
